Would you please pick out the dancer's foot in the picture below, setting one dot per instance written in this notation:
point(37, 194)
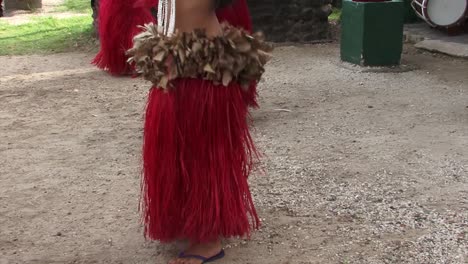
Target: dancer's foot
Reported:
point(200, 253)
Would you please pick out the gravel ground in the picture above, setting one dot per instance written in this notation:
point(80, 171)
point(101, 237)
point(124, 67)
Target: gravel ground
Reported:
point(359, 167)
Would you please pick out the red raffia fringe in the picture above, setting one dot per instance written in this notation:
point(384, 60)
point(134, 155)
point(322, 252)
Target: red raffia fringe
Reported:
point(118, 24)
point(197, 156)
point(237, 15)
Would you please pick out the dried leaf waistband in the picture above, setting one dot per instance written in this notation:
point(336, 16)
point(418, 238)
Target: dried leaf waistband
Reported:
point(233, 56)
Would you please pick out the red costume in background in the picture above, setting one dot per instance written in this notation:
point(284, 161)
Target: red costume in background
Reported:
point(118, 24)
point(197, 151)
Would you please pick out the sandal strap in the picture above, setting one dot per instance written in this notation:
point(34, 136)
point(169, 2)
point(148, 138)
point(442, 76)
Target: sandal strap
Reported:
point(183, 255)
point(220, 255)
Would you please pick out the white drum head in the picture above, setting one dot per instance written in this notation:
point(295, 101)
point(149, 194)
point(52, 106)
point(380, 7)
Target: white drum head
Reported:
point(446, 12)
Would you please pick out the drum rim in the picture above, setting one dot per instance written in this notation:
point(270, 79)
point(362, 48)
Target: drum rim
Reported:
point(425, 15)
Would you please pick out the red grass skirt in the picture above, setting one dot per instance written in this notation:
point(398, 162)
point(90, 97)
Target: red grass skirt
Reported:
point(118, 24)
point(197, 155)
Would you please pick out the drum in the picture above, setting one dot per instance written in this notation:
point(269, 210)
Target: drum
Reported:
point(445, 14)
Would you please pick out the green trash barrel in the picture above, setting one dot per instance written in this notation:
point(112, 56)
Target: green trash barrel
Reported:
point(372, 32)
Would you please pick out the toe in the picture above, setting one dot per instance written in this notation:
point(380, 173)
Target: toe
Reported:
point(185, 261)
point(173, 261)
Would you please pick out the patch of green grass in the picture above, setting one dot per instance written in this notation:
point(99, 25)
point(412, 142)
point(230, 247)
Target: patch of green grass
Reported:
point(335, 15)
point(46, 35)
point(79, 6)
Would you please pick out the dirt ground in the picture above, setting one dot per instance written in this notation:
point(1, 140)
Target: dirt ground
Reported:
point(359, 167)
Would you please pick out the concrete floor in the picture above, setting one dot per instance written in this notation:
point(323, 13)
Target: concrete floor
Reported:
point(431, 39)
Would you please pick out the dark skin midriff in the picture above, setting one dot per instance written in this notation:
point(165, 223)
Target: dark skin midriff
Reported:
point(197, 14)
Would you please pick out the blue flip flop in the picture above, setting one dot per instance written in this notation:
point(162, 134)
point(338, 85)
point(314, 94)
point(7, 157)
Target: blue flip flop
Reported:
point(218, 256)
